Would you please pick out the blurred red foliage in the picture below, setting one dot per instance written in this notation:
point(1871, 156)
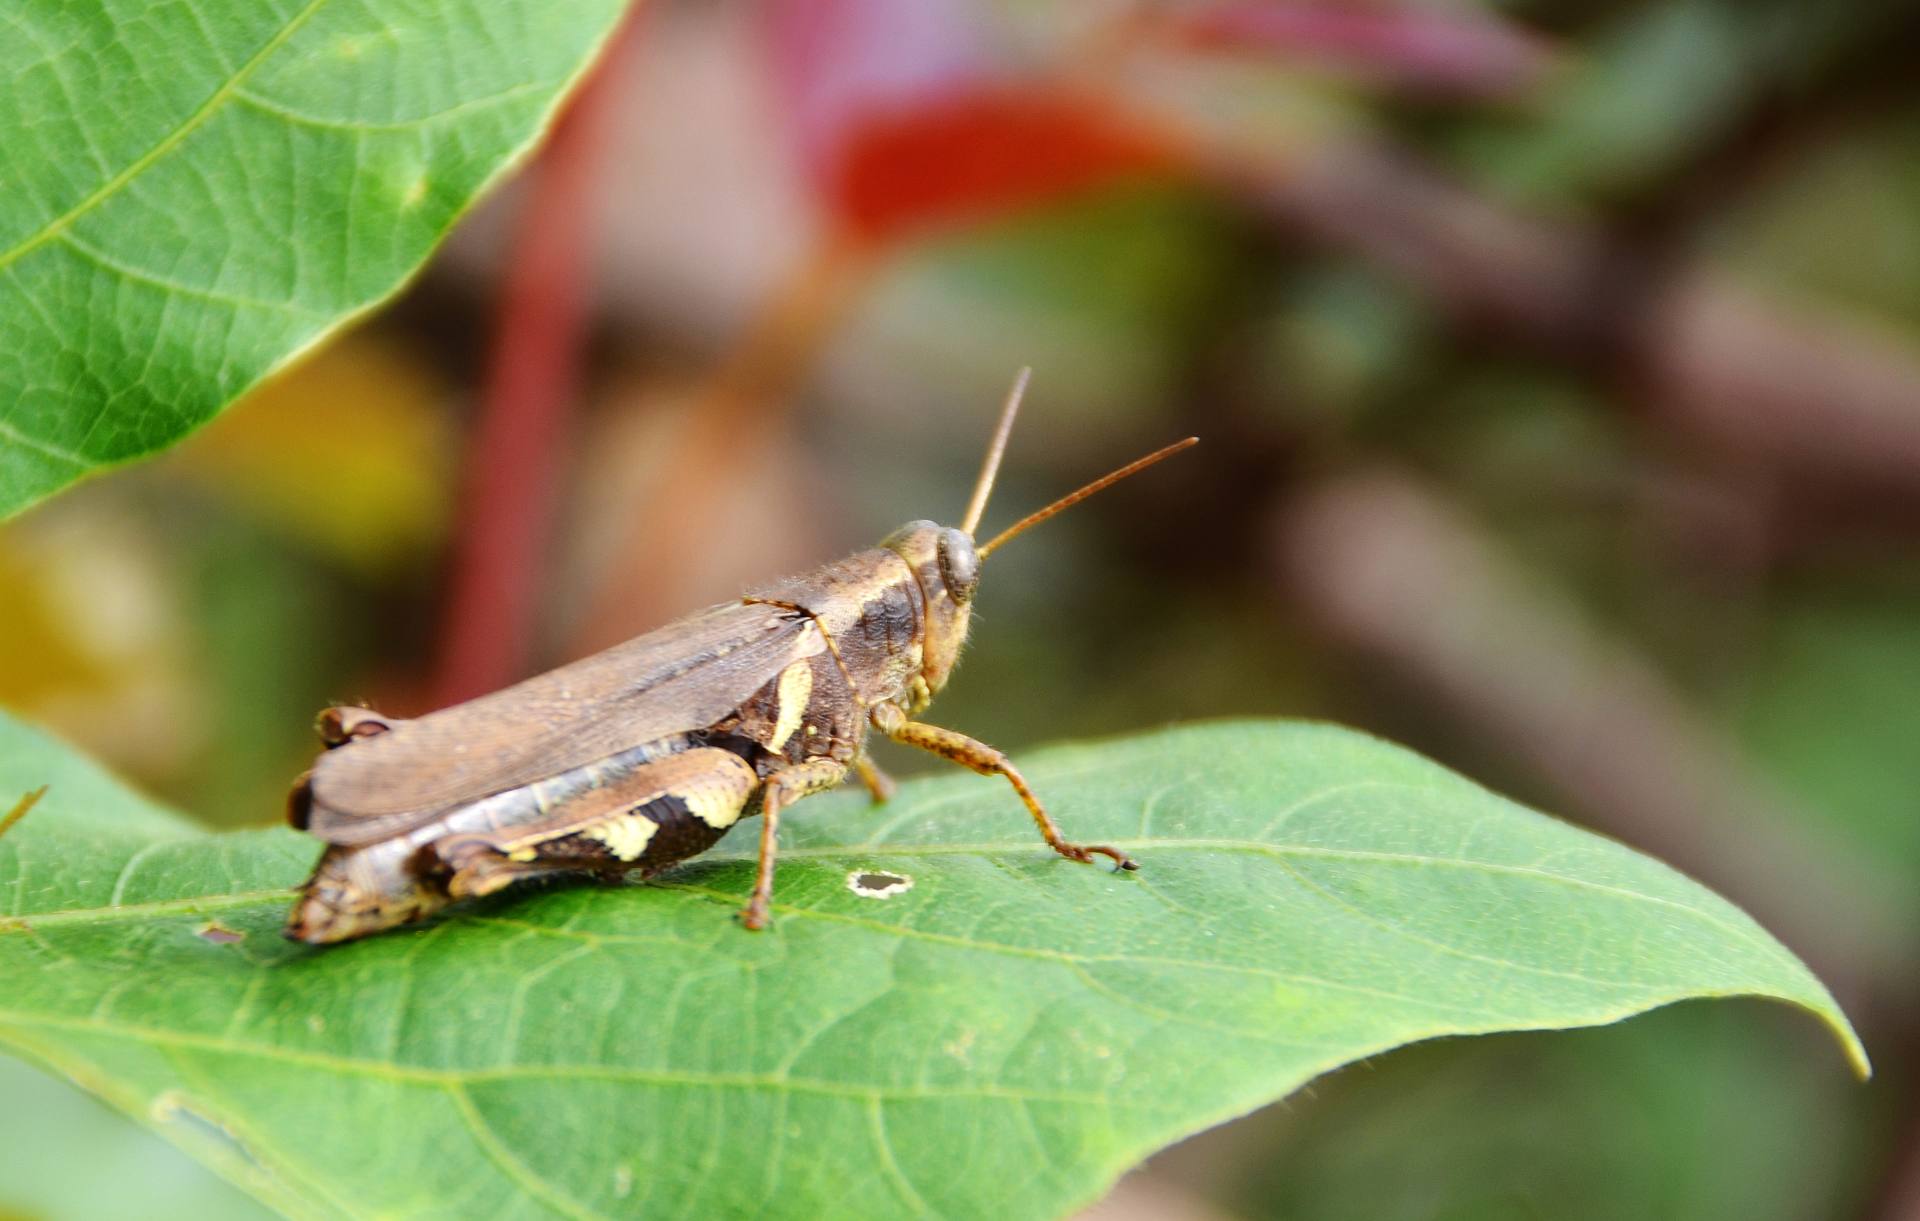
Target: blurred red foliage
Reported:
point(983, 151)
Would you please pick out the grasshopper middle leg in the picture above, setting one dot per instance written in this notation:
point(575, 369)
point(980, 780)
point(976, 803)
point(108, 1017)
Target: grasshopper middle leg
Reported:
point(970, 753)
point(880, 786)
point(783, 789)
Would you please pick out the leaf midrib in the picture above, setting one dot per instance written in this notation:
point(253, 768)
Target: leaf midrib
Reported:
point(167, 143)
point(1075, 961)
point(195, 903)
point(441, 1078)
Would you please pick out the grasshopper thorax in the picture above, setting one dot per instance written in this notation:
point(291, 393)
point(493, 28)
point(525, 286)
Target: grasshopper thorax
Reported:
point(946, 566)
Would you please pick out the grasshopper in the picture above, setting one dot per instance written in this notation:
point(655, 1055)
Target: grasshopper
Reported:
point(645, 754)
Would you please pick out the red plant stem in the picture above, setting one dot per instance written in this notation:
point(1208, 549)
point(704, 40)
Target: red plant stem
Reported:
point(515, 457)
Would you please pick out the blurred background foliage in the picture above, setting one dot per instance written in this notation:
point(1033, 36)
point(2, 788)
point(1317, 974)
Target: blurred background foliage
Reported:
point(1558, 370)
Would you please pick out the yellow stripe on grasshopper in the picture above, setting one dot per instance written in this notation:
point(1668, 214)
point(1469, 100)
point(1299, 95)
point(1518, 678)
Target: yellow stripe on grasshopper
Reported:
point(796, 689)
point(625, 837)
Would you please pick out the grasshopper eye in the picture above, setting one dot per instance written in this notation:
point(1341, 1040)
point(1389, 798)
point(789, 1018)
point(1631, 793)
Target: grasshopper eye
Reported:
point(959, 566)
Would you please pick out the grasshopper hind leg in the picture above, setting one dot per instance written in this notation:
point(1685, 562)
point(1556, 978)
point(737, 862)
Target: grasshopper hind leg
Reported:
point(485, 871)
point(658, 814)
point(644, 840)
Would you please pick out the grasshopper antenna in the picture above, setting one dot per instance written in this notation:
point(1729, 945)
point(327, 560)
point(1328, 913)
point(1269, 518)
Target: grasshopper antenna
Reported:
point(995, 449)
point(1073, 498)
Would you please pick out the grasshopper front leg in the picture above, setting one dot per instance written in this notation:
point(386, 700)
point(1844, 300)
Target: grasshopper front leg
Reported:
point(783, 789)
point(889, 719)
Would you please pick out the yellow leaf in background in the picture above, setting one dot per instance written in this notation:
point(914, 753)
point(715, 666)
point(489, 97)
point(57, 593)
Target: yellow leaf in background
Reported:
point(351, 452)
point(94, 642)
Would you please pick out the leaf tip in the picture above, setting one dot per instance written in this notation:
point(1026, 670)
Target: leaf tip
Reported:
point(1851, 1047)
point(1835, 1019)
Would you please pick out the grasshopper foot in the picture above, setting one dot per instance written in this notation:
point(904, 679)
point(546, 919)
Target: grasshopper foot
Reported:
point(1084, 853)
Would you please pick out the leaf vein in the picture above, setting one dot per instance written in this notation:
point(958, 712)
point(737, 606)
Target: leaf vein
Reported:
point(169, 142)
point(126, 871)
point(625, 1074)
point(1397, 929)
point(496, 1152)
point(1063, 956)
point(127, 271)
point(889, 1164)
point(290, 114)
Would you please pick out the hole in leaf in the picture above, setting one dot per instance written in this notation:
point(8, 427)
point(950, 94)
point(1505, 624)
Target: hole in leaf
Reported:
point(219, 933)
point(174, 1109)
point(878, 884)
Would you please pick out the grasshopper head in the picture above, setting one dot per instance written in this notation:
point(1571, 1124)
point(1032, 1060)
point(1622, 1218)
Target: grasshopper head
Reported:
point(946, 561)
point(947, 568)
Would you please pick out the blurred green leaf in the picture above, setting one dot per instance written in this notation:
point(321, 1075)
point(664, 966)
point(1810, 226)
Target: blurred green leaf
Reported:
point(193, 194)
point(1837, 224)
point(1697, 1111)
point(350, 456)
point(1341, 341)
point(1827, 707)
point(1000, 1040)
point(1659, 82)
point(1104, 294)
point(66, 1157)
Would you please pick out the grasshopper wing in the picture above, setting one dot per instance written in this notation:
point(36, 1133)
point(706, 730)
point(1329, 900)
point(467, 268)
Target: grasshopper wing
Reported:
point(683, 677)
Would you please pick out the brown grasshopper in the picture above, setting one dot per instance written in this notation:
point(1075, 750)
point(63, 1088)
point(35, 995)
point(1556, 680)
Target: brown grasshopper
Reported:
point(645, 754)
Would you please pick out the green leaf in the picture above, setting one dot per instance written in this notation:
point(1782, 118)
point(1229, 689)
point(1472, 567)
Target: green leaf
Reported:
point(1705, 1112)
point(65, 1157)
point(1002, 1039)
point(194, 193)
